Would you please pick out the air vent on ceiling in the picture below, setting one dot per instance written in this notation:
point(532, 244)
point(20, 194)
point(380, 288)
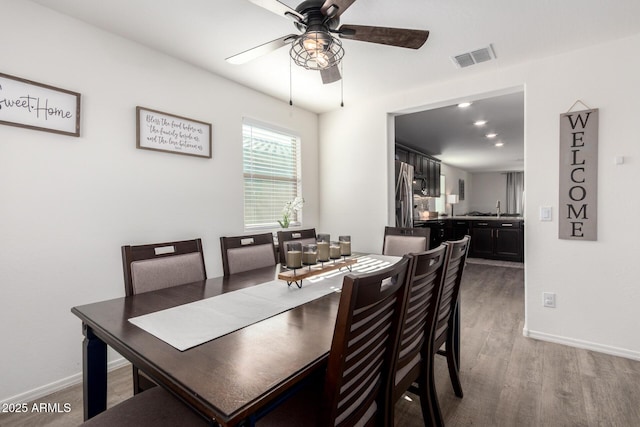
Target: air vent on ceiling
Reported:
point(474, 57)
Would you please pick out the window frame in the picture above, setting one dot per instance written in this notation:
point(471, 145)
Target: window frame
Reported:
point(296, 221)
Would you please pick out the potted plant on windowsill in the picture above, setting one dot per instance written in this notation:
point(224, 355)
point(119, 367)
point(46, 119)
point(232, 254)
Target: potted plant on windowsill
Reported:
point(289, 209)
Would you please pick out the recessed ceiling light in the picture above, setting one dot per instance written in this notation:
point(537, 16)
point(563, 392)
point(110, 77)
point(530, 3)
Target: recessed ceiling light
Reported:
point(464, 104)
point(480, 122)
point(499, 144)
point(491, 135)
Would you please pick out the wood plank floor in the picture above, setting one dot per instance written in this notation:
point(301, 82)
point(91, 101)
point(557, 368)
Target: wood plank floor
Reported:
point(508, 380)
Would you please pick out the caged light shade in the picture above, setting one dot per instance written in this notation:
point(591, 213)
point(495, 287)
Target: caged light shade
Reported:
point(317, 50)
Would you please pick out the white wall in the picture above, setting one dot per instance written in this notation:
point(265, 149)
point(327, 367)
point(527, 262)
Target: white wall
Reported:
point(488, 188)
point(595, 282)
point(68, 204)
point(452, 175)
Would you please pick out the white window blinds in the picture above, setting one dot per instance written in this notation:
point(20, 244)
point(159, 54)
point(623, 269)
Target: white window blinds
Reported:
point(271, 165)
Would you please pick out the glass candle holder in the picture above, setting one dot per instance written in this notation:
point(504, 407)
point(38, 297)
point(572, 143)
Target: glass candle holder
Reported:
point(323, 250)
point(324, 238)
point(345, 245)
point(294, 255)
point(334, 250)
point(309, 254)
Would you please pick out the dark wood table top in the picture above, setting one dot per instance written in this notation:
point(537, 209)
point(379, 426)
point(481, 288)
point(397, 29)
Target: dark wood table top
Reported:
point(231, 377)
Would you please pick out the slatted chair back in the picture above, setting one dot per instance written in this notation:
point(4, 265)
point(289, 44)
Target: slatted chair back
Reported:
point(424, 279)
point(455, 262)
point(305, 237)
point(244, 253)
point(399, 241)
point(444, 328)
point(363, 347)
point(162, 265)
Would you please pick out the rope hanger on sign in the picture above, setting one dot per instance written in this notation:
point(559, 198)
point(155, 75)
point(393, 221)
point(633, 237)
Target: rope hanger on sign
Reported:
point(575, 103)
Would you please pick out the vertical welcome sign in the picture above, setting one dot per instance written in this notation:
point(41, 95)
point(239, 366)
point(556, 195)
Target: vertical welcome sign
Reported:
point(578, 175)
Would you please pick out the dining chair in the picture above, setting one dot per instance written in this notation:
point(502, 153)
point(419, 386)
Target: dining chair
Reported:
point(155, 407)
point(444, 329)
point(354, 388)
point(243, 253)
point(399, 241)
point(156, 266)
point(162, 265)
point(424, 279)
point(306, 237)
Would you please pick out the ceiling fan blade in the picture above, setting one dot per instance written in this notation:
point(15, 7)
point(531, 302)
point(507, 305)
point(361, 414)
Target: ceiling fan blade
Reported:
point(401, 37)
point(332, 8)
point(330, 75)
point(279, 9)
point(261, 50)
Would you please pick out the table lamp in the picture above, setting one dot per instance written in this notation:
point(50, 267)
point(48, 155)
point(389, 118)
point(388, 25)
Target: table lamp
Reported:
point(452, 199)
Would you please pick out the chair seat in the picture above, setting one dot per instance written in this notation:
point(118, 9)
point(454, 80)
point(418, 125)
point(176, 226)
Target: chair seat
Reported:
point(154, 407)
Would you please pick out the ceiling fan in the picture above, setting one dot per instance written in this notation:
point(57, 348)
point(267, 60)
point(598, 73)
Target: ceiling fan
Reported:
point(317, 48)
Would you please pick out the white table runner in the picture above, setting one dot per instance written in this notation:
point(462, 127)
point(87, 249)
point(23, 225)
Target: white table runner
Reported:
point(192, 324)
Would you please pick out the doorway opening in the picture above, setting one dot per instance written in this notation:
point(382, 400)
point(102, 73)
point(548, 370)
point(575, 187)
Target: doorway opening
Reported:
point(480, 150)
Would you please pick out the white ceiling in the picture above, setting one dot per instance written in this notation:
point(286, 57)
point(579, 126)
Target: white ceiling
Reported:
point(449, 134)
point(205, 32)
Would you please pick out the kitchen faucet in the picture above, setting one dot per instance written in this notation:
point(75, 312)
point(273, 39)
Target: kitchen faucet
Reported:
point(498, 208)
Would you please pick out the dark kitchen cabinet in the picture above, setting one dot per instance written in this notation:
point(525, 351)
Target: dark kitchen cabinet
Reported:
point(456, 229)
point(502, 240)
point(481, 240)
point(437, 232)
point(402, 155)
point(509, 243)
point(435, 171)
point(424, 167)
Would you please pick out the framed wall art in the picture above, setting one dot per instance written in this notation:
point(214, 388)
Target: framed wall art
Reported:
point(31, 105)
point(166, 132)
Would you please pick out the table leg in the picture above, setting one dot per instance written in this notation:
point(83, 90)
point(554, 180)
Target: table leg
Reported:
point(94, 370)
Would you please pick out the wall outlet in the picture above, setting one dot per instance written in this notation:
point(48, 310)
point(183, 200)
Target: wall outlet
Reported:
point(549, 299)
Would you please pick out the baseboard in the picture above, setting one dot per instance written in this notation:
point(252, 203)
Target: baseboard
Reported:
point(47, 389)
point(587, 345)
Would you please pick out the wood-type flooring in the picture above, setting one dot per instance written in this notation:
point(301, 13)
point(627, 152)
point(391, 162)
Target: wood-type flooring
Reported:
point(508, 380)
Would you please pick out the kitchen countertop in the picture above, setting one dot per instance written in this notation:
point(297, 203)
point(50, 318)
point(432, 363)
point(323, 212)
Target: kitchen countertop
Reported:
point(473, 218)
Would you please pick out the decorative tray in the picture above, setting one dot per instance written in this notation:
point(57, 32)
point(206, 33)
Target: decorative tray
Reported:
point(296, 275)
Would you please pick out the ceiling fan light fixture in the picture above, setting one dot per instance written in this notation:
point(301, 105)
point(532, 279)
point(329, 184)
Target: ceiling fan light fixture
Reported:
point(317, 50)
point(315, 41)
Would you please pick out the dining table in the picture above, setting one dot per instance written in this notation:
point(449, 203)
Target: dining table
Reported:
point(232, 379)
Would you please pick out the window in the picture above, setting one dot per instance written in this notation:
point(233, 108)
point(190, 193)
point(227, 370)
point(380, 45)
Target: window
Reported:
point(271, 167)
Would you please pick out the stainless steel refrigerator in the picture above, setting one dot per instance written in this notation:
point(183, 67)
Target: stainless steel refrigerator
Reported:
point(404, 194)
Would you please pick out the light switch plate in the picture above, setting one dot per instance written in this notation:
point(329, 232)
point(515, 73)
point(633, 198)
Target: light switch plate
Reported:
point(545, 213)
